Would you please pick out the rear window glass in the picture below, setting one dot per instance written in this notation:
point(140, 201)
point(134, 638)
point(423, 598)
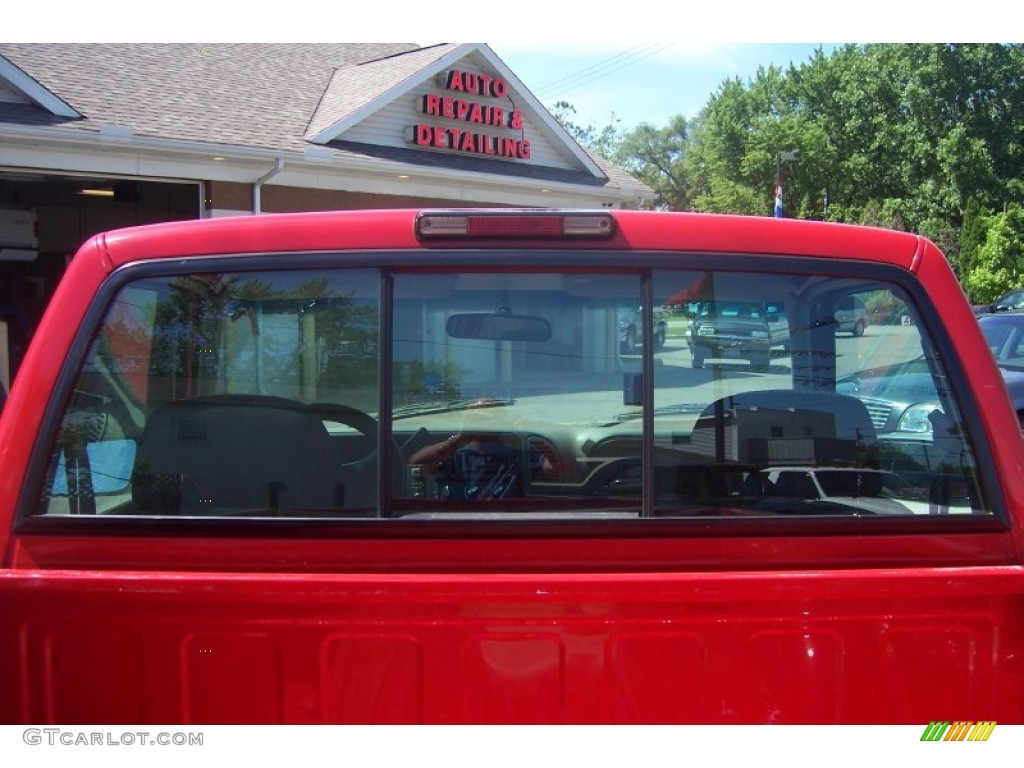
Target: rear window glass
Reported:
point(527, 394)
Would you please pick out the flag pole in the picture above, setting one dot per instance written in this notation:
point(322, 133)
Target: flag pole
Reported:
point(779, 157)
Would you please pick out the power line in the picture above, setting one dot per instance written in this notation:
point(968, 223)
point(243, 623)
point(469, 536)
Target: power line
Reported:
point(603, 68)
point(599, 65)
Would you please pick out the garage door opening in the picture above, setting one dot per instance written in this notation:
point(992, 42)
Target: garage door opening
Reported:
point(44, 218)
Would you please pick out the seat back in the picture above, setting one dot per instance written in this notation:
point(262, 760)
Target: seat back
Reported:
point(787, 427)
point(222, 456)
point(796, 483)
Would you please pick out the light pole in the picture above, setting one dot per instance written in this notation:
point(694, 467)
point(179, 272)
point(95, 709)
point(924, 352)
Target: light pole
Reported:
point(779, 158)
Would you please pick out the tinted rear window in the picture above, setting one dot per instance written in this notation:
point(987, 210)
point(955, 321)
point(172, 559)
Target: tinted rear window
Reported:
point(522, 395)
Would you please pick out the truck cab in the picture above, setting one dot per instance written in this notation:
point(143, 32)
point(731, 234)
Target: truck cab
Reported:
point(394, 467)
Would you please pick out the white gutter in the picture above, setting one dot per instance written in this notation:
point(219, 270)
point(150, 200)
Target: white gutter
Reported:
point(258, 185)
point(314, 162)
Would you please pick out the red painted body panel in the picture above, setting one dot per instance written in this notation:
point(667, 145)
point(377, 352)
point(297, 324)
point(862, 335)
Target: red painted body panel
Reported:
point(390, 229)
point(863, 646)
point(306, 628)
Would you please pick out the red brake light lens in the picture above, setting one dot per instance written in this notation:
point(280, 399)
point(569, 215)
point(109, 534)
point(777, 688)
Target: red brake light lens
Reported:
point(515, 224)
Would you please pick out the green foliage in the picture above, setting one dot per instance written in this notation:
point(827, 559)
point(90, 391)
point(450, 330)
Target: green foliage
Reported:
point(972, 235)
point(917, 137)
point(657, 157)
point(883, 308)
point(999, 262)
point(601, 141)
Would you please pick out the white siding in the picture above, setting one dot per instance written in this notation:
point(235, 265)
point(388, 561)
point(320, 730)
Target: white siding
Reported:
point(387, 126)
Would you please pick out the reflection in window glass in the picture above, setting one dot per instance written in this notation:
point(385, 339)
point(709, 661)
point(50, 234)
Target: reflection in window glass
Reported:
point(793, 394)
point(511, 395)
point(225, 394)
point(524, 404)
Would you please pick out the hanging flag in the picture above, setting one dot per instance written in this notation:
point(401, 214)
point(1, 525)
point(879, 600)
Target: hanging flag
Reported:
point(778, 200)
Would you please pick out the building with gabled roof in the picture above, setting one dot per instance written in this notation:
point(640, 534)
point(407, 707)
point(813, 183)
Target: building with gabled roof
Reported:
point(99, 136)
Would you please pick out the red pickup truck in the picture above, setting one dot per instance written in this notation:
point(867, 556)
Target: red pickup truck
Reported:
point(395, 467)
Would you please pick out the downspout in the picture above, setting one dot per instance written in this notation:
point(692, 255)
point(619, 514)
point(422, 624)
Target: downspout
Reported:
point(257, 186)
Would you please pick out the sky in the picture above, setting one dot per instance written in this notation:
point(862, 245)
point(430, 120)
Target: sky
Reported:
point(590, 55)
point(629, 83)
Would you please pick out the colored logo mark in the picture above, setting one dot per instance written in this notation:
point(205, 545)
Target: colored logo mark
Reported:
point(958, 731)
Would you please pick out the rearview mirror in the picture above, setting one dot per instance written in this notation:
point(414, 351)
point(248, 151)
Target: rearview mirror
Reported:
point(498, 327)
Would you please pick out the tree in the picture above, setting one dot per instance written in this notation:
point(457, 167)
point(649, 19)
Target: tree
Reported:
point(972, 236)
point(743, 130)
point(919, 137)
point(657, 157)
point(602, 141)
point(899, 136)
point(999, 263)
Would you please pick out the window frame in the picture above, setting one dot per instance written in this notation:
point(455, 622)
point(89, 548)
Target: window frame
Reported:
point(641, 263)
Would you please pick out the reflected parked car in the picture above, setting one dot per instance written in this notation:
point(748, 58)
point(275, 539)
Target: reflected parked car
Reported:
point(631, 330)
point(871, 490)
point(902, 398)
point(749, 330)
point(1004, 334)
point(1008, 302)
point(851, 315)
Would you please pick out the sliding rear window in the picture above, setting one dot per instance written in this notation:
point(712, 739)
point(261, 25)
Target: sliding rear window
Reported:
point(587, 394)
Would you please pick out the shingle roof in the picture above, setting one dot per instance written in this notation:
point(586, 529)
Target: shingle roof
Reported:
point(354, 86)
point(240, 94)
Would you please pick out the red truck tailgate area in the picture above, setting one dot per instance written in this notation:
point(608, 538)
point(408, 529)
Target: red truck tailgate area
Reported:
point(842, 647)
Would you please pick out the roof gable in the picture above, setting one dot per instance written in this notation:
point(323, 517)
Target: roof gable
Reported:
point(18, 87)
point(354, 91)
point(456, 99)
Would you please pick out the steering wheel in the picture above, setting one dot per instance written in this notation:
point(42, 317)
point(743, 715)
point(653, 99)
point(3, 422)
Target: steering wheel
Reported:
point(361, 474)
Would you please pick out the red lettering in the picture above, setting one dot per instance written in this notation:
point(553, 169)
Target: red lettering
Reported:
point(461, 109)
point(431, 104)
point(498, 117)
point(455, 81)
point(448, 107)
point(515, 120)
point(461, 140)
point(474, 82)
point(475, 115)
